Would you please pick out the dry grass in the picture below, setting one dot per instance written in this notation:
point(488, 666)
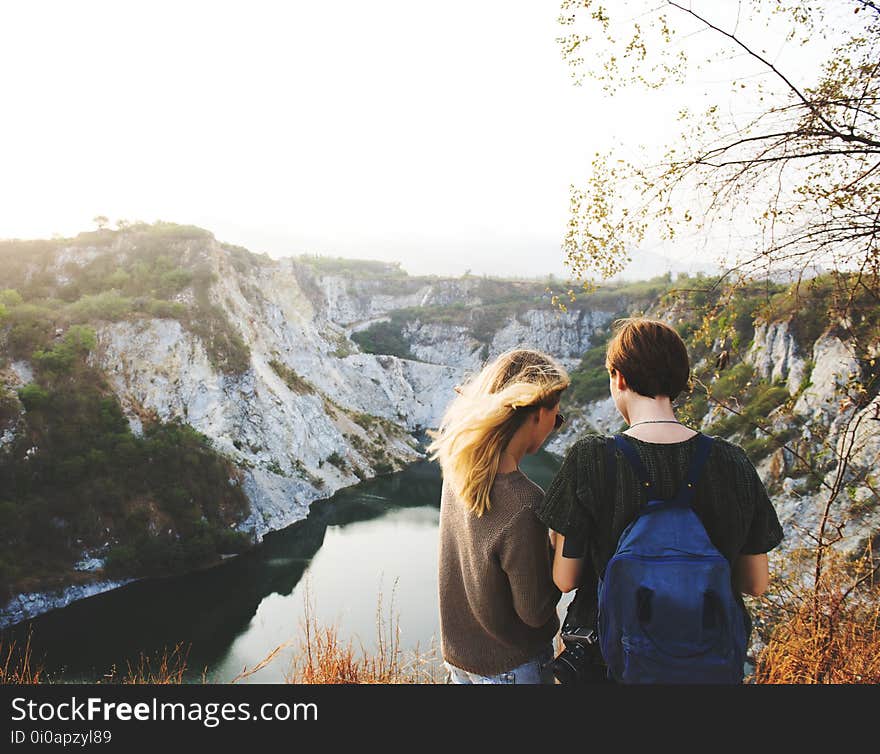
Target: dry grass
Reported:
point(163, 667)
point(16, 664)
point(827, 635)
point(323, 658)
point(320, 656)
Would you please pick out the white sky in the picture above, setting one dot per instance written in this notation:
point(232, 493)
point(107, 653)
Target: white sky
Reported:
point(444, 136)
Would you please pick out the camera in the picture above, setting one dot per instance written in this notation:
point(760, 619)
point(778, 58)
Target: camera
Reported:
point(581, 660)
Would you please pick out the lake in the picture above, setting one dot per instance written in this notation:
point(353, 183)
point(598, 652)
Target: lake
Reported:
point(377, 540)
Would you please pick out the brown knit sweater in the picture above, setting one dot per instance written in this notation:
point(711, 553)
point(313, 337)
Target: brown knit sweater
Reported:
point(497, 597)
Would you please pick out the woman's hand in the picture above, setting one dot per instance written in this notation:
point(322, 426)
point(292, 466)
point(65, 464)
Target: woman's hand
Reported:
point(552, 539)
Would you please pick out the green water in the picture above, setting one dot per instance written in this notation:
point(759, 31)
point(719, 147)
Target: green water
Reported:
point(378, 539)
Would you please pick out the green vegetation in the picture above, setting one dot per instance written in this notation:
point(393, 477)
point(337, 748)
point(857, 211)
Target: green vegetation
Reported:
point(154, 265)
point(243, 260)
point(374, 446)
point(618, 297)
point(9, 407)
point(334, 459)
point(384, 338)
point(60, 358)
point(343, 346)
point(502, 300)
point(754, 400)
point(275, 468)
point(375, 453)
point(716, 319)
point(360, 268)
point(291, 378)
point(303, 472)
point(76, 477)
point(589, 380)
point(27, 328)
point(226, 349)
point(10, 298)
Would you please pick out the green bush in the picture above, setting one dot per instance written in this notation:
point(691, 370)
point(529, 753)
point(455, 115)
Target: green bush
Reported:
point(10, 298)
point(231, 541)
point(91, 472)
point(226, 348)
point(33, 397)
point(74, 347)
point(122, 560)
point(755, 401)
point(119, 278)
point(8, 406)
point(334, 459)
point(108, 305)
point(383, 338)
point(30, 327)
point(589, 379)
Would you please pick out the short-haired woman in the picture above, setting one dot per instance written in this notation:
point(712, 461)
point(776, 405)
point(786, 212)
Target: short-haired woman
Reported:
point(497, 596)
point(648, 368)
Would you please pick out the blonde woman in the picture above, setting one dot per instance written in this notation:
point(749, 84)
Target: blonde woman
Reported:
point(497, 596)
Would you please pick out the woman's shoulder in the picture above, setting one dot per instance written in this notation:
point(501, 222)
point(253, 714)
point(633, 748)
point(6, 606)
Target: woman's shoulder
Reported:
point(585, 453)
point(732, 461)
point(587, 443)
point(726, 450)
point(516, 485)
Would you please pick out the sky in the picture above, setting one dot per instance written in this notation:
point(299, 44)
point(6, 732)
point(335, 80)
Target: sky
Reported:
point(443, 136)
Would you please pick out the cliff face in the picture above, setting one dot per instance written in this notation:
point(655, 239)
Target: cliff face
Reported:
point(564, 335)
point(825, 425)
point(776, 356)
point(310, 412)
point(280, 432)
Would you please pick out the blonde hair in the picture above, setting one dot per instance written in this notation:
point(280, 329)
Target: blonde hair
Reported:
point(483, 418)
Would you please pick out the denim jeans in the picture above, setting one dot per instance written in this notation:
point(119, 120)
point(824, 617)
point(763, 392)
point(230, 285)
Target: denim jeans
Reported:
point(536, 670)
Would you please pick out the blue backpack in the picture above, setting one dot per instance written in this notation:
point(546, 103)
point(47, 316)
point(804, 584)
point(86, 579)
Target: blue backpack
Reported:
point(667, 611)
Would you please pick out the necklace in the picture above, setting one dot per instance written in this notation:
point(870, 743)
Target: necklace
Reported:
point(656, 421)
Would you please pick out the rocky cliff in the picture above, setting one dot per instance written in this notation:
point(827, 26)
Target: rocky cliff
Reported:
point(307, 411)
point(302, 408)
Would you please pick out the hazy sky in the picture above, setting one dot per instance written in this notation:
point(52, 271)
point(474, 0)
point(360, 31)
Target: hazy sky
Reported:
point(444, 136)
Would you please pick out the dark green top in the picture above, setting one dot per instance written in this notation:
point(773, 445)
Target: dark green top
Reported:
point(729, 499)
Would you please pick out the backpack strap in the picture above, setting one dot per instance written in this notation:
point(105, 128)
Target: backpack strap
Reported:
point(685, 495)
point(631, 455)
point(610, 464)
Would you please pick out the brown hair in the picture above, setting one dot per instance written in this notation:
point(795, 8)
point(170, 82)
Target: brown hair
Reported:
point(650, 355)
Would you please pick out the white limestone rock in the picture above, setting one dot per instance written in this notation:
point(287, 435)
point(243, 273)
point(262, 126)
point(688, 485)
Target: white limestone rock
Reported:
point(439, 343)
point(833, 366)
point(31, 604)
point(23, 372)
point(565, 335)
point(775, 355)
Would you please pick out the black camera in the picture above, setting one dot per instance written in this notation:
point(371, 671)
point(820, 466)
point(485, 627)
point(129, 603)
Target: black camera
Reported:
point(581, 660)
